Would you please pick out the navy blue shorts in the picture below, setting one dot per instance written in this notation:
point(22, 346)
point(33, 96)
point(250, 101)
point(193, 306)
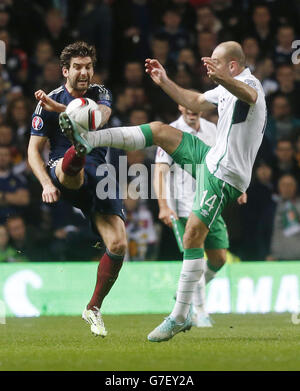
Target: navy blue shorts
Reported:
point(85, 198)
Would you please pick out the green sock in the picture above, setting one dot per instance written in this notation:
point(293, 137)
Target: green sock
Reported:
point(147, 132)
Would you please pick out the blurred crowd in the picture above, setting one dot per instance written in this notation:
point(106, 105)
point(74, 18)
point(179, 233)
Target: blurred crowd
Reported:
point(126, 32)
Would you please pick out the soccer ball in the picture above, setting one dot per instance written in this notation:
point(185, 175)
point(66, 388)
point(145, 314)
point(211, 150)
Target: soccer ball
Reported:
point(85, 112)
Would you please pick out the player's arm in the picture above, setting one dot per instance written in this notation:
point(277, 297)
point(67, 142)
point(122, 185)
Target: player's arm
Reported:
point(105, 114)
point(36, 145)
point(104, 101)
point(237, 88)
point(159, 184)
point(190, 99)
point(49, 104)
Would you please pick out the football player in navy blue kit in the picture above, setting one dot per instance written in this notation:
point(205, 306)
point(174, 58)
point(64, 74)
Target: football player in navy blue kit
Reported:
point(72, 176)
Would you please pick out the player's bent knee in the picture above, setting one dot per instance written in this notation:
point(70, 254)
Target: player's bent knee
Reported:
point(118, 247)
point(70, 182)
point(156, 127)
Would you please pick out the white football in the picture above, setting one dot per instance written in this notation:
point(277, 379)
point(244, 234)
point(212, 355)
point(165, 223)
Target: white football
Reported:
point(85, 112)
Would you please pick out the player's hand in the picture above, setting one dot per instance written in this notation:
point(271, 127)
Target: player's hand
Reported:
point(155, 70)
point(165, 214)
point(212, 70)
point(242, 199)
point(47, 103)
point(50, 194)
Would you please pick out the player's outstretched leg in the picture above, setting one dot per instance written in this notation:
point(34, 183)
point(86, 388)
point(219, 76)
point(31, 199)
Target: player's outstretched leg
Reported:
point(129, 138)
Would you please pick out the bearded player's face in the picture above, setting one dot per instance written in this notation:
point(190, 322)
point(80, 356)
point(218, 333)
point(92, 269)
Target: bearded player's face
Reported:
point(80, 73)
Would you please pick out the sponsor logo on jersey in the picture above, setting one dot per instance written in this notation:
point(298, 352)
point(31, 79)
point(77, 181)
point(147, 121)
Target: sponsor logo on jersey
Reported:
point(37, 123)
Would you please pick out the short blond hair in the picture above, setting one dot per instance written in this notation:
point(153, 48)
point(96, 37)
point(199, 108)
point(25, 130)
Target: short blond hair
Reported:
point(234, 52)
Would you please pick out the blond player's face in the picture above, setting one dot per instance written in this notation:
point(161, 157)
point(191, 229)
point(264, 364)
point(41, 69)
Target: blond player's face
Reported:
point(80, 73)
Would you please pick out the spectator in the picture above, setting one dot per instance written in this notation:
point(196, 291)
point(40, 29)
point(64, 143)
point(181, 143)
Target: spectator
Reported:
point(133, 74)
point(101, 76)
point(187, 13)
point(5, 16)
point(51, 76)
point(206, 42)
point(160, 49)
point(265, 73)
point(43, 53)
point(229, 15)
point(140, 96)
point(16, 60)
point(55, 31)
point(25, 242)
point(284, 161)
point(141, 159)
point(285, 242)
point(7, 140)
point(207, 21)
point(5, 86)
point(262, 28)
point(14, 195)
point(140, 230)
point(285, 76)
point(133, 26)
point(7, 253)
point(95, 27)
point(138, 116)
point(187, 56)
point(251, 50)
point(283, 51)
point(18, 116)
point(70, 235)
point(183, 77)
point(257, 215)
point(281, 124)
point(178, 37)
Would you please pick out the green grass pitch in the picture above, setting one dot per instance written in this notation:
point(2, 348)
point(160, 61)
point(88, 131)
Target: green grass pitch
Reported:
point(236, 342)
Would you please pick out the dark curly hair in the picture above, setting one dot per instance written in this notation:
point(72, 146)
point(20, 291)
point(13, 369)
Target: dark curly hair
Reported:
point(77, 49)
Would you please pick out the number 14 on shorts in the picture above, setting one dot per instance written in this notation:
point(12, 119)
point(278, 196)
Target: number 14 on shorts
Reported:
point(209, 202)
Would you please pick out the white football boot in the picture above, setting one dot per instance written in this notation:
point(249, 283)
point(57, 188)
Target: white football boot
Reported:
point(94, 318)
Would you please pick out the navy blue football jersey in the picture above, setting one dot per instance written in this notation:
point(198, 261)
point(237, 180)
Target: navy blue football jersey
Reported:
point(45, 123)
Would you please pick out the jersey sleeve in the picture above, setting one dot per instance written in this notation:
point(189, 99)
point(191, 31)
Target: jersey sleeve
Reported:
point(40, 124)
point(103, 96)
point(163, 157)
point(212, 96)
